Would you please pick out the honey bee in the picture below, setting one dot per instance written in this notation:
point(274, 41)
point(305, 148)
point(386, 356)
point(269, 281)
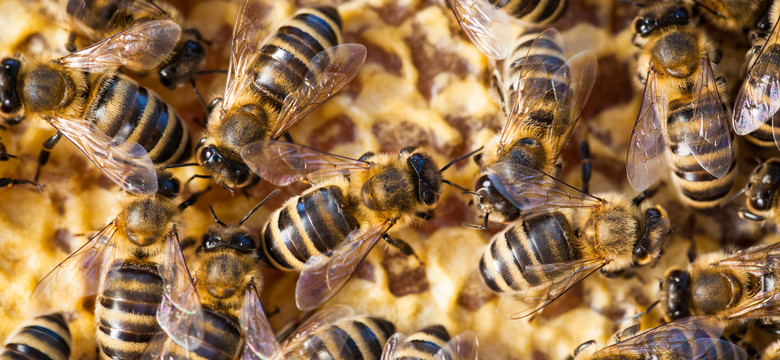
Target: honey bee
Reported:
point(270, 88)
point(227, 273)
point(760, 193)
point(327, 231)
point(544, 97)
point(125, 129)
point(683, 119)
point(757, 102)
point(737, 286)
point(486, 22)
point(42, 337)
point(695, 337)
point(431, 343)
point(91, 21)
point(742, 16)
point(137, 270)
point(536, 259)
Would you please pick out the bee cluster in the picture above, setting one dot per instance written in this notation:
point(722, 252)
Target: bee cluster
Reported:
point(320, 130)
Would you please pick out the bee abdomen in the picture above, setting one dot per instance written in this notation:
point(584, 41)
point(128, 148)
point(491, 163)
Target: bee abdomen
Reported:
point(125, 111)
point(359, 338)
point(221, 339)
point(316, 222)
point(423, 344)
point(536, 11)
point(125, 310)
point(542, 239)
point(284, 61)
point(45, 337)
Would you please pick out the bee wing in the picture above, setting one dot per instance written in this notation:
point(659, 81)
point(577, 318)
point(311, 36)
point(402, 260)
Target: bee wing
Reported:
point(760, 260)
point(486, 25)
point(180, 314)
point(531, 92)
point(462, 347)
point(126, 163)
point(245, 47)
point(693, 337)
point(329, 71)
point(155, 348)
point(392, 345)
point(77, 276)
point(260, 340)
point(323, 275)
point(533, 191)
point(283, 163)
point(711, 132)
point(576, 79)
point(141, 47)
point(646, 159)
point(560, 278)
point(317, 321)
point(759, 96)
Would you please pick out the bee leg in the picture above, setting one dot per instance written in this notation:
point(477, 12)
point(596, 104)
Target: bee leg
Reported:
point(8, 182)
point(288, 137)
point(71, 44)
point(43, 158)
point(644, 195)
point(268, 314)
point(192, 199)
point(586, 165)
point(739, 333)
point(401, 246)
point(627, 333)
point(200, 98)
point(479, 227)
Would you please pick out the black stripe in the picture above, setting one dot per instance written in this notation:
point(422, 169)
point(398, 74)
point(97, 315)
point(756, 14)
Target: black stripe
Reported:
point(540, 43)
point(272, 251)
point(350, 349)
point(290, 236)
point(549, 238)
point(47, 336)
point(104, 96)
point(437, 331)
point(121, 331)
point(293, 39)
point(58, 319)
point(487, 274)
point(131, 113)
point(222, 338)
point(321, 27)
point(520, 255)
point(550, 7)
point(153, 139)
point(128, 306)
point(332, 14)
point(29, 353)
point(708, 193)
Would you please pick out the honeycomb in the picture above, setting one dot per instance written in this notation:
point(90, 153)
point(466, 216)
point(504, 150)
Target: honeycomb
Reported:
point(424, 84)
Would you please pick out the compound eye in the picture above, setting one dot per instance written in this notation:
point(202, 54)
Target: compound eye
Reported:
point(641, 256)
point(429, 197)
point(677, 17)
point(208, 155)
point(172, 186)
point(208, 242)
point(194, 48)
point(246, 242)
point(242, 177)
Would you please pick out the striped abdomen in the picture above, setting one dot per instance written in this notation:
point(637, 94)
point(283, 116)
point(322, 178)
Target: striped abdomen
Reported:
point(125, 111)
point(698, 188)
point(539, 12)
point(423, 344)
point(307, 225)
point(125, 309)
point(45, 337)
point(282, 64)
point(221, 339)
point(542, 239)
point(357, 338)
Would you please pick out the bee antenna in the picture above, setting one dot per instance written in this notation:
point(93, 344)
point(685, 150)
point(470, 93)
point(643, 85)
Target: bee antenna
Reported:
point(445, 167)
point(172, 166)
point(197, 93)
point(213, 71)
point(215, 217)
point(633, 3)
point(702, 4)
point(232, 192)
point(461, 188)
point(258, 206)
point(643, 313)
point(735, 196)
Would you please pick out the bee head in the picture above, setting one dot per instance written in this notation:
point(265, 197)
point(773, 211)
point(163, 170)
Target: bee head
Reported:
point(237, 238)
point(761, 188)
point(10, 103)
point(426, 175)
point(674, 294)
point(167, 185)
point(184, 62)
point(221, 169)
point(649, 247)
point(661, 16)
point(226, 257)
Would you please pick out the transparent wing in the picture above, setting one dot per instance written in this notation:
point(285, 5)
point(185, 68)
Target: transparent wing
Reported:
point(260, 341)
point(560, 277)
point(180, 314)
point(125, 163)
point(693, 337)
point(486, 25)
point(329, 71)
point(79, 275)
point(155, 348)
point(759, 261)
point(709, 139)
point(646, 159)
point(462, 347)
point(282, 163)
point(573, 83)
point(317, 321)
point(759, 96)
point(533, 191)
point(141, 47)
point(246, 45)
point(324, 275)
point(531, 92)
point(392, 346)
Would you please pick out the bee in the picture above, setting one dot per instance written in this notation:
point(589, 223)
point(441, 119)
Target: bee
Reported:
point(772, 352)
point(431, 343)
point(125, 129)
point(760, 199)
point(695, 337)
point(42, 337)
point(227, 275)
point(682, 119)
point(757, 102)
point(270, 88)
point(486, 22)
point(736, 286)
point(742, 16)
point(327, 231)
point(137, 270)
point(91, 21)
point(544, 97)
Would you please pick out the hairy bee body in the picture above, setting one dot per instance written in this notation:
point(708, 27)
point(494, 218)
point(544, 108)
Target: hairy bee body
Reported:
point(221, 338)
point(538, 12)
point(423, 344)
point(43, 337)
point(356, 338)
point(760, 200)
